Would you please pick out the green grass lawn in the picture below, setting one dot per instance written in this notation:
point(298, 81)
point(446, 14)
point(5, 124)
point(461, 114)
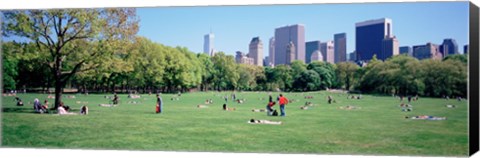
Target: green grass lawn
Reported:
point(378, 128)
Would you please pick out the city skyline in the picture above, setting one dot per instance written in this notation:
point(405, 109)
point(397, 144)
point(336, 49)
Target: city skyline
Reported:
point(229, 23)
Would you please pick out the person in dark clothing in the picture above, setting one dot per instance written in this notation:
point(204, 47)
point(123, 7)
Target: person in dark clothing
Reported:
point(115, 99)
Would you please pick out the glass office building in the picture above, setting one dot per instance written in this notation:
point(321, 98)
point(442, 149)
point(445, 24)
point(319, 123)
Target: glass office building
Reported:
point(369, 36)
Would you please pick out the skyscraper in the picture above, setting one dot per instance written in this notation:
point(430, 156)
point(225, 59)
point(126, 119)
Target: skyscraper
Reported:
point(256, 51)
point(291, 54)
point(208, 44)
point(427, 51)
point(311, 47)
point(328, 51)
point(406, 50)
point(465, 49)
point(369, 36)
point(353, 56)
point(271, 50)
point(340, 49)
point(285, 35)
point(449, 47)
point(389, 47)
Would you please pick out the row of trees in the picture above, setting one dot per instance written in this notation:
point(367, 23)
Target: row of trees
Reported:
point(149, 67)
point(98, 50)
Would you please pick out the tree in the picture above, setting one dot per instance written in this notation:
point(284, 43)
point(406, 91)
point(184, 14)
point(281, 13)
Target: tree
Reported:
point(308, 80)
point(10, 66)
point(225, 74)
point(72, 34)
point(326, 71)
point(346, 74)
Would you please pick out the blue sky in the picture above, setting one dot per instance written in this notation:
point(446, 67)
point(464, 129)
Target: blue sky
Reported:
point(234, 26)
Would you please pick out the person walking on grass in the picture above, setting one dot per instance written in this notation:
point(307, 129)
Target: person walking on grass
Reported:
point(159, 104)
point(282, 101)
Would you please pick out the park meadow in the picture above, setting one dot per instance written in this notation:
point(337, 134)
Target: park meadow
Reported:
point(377, 127)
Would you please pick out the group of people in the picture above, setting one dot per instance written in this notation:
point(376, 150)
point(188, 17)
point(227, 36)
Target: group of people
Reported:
point(62, 109)
point(282, 101)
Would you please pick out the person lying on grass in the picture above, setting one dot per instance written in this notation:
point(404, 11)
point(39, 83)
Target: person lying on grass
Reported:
point(304, 107)
point(254, 121)
point(450, 106)
point(426, 117)
point(201, 106)
point(259, 110)
point(228, 109)
point(107, 105)
point(349, 107)
point(62, 110)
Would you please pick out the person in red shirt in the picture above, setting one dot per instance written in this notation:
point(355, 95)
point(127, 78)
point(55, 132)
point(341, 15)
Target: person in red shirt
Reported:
point(282, 101)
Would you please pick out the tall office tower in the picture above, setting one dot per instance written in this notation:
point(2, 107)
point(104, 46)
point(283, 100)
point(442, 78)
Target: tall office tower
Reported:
point(340, 47)
point(406, 50)
point(290, 53)
point(369, 36)
point(353, 56)
point(271, 50)
point(328, 51)
point(465, 49)
point(389, 47)
point(316, 56)
point(256, 51)
point(449, 47)
point(427, 51)
point(285, 35)
point(311, 47)
point(208, 44)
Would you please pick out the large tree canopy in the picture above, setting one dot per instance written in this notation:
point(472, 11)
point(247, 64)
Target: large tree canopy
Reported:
point(72, 38)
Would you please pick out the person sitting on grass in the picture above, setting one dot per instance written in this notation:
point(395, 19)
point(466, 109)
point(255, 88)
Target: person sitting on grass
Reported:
point(115, 99)
point(201, 106)
point(19, 101)
point(37, 106)
point(254, 121)
point(425, 117)
point(228, 109)
point(63, 110)
point(209, 101)
point(84, 110)
point(269, 108)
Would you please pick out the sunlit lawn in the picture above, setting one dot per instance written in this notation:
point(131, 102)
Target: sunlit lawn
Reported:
point(378, 128)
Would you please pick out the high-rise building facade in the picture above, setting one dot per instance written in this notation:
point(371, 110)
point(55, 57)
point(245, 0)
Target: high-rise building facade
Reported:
point(340, 49)
point(271, 50)
point(256, 51)
point(449, 47)
point(353, 56)
point(369, 36)
point(291, 54)
point(208, 44)
point(389, 47)
point(285, 35)
point(311, 47)
point(406, 50)
point(328, 51)
point(465, 49)
point(316, 56)
point(427, 51)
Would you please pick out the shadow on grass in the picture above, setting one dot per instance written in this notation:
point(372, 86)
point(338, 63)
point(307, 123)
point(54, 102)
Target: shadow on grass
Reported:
point(17, 110)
